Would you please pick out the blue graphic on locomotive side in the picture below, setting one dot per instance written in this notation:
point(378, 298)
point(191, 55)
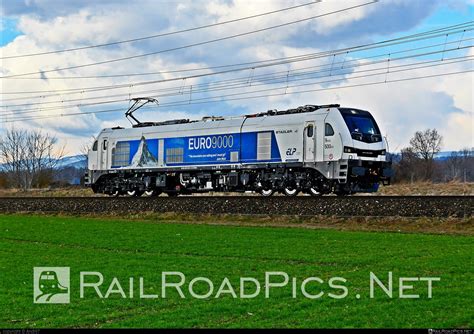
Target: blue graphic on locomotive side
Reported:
point(201, 150)
point(152, 145)
point(197, 150)
point(135, 153)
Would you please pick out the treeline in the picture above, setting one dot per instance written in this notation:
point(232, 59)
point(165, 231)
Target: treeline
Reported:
point(418, 161)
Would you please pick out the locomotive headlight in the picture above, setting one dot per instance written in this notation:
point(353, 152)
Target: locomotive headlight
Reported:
point(383, 152)
point(348, 149)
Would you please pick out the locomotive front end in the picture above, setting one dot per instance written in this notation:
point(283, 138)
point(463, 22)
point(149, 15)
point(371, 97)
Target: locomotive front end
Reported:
point(365, 151)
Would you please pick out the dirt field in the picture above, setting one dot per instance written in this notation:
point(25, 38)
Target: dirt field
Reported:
point(428, 188)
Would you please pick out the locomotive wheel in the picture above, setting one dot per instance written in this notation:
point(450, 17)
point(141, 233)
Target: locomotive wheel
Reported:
point(172, 194)
point(291, 192)
point(315, 192)
point(152, 193)
point(134, 193)
point(115, 193)
point(266, 192)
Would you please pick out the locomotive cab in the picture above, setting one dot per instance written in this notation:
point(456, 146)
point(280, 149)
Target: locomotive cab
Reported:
point(364, 150)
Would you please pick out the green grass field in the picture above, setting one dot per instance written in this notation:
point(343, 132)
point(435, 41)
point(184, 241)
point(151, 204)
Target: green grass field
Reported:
point(132, 248)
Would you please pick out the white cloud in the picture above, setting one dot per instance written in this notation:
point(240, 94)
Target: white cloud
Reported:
point(325, 25)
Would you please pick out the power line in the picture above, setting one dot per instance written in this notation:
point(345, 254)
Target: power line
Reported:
point(233, 80)
point(162, 34)
point(443, 63)
point(194, 44)
point(444, 31)
point(209, 100)
point(182, 88)
point(254, 97)
point(345, 64)
point(291, 59)
point(375, 45)
point(468, 26)
point(185, 102)
point(465, 24)
point(266, 79)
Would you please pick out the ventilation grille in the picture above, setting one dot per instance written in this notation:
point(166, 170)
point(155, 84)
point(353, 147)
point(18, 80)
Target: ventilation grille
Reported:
point(174, 155)
point(161, 152)
point(121, 154)
point(264, 146)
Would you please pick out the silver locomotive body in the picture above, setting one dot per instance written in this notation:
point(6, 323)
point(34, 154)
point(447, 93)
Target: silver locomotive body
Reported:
point(314, 149)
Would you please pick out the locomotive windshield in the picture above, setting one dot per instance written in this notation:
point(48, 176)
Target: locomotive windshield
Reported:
point(361, 125)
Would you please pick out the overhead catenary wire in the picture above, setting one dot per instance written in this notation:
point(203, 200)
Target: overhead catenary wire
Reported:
point(229, 97)
point(365, 47)
point(439, 30)
point(469, 58)
point(255, 97)
point(196, 91)
point(193, 44)
point(267, 79)
point(183, 87)
point(213, 83)
point(138, 39)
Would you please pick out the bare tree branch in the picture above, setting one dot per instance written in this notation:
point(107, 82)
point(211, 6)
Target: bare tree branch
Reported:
point(426, 144)
point(28, 156)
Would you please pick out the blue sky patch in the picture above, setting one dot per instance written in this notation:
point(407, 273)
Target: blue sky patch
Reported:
point(9, 30)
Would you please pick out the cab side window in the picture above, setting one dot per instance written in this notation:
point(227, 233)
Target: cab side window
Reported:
point(328, 130)
point(104, 145)
point(310, 131)
point(94, 147)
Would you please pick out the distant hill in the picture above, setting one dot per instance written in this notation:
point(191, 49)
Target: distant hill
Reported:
point(441, 156)
point(75, 161)
point(444, 155)
point(69, 169)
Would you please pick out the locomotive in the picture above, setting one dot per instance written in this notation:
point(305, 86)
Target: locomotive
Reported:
point(314, 149)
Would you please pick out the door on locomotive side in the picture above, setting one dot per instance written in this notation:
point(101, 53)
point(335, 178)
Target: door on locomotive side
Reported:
point(103, 148)
point(309, 141)
point(93, 157)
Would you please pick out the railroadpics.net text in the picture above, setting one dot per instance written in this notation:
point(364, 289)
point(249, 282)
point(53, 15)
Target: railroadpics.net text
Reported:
point(53, 285)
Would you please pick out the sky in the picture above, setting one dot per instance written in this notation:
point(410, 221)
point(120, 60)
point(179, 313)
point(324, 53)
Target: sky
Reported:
point(400, 106)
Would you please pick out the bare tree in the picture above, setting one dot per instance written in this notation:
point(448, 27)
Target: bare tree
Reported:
point(454, 164)
point(13, 152)
point(426, 144)
point(467, 163)
point(408, 166)
point(29, 156)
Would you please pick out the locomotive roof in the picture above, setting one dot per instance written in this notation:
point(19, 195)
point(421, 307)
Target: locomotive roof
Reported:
point(274, 112)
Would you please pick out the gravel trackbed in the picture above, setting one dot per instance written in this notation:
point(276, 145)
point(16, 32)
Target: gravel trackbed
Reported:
point(403, 206)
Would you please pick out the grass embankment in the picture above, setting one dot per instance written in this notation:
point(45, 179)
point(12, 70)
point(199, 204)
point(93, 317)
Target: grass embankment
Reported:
point(145, 248)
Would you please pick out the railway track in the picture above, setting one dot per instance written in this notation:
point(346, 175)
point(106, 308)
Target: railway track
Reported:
point(404, 206)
